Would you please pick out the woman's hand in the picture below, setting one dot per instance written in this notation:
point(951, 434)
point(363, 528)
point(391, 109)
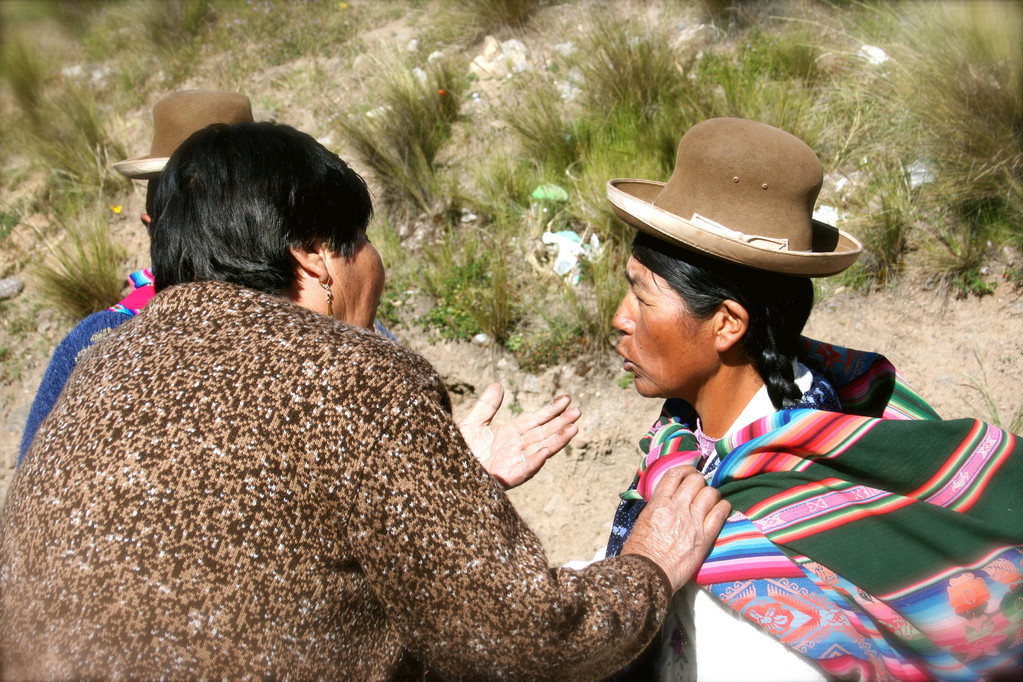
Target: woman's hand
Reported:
point(679, 524)
point(513, 452)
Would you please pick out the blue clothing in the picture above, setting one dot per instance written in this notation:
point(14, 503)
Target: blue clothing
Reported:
point(63, 362)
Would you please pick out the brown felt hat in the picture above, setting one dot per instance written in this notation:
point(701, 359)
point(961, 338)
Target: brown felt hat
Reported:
point(744, 192)
point(176, 117)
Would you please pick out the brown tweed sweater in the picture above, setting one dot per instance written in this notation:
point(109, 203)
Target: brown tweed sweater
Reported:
point(233, 486)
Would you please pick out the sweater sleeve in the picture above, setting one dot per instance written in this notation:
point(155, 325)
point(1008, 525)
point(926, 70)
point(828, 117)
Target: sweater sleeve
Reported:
point(65, 358)
point(465, 581)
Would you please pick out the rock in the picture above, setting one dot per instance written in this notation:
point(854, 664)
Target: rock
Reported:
point(491, 48)
point(565, 49)
point(515, 52)
point(10, 287)
point(499, 60)
point(489, 64)
point(570, 89)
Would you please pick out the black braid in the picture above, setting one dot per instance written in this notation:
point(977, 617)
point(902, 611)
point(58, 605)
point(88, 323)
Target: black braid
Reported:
point(778, 305)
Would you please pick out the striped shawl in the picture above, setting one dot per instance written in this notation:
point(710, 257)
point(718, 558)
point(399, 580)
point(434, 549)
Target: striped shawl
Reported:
point(879, 540)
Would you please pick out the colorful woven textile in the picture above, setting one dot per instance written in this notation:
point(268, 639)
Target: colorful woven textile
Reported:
point(672, 446)
point(142, 290)
point(879, 541)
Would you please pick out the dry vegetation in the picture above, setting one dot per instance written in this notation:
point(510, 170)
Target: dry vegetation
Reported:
point(476, 147)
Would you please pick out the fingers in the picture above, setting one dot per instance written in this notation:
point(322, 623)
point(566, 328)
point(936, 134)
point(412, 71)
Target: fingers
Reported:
point(679, 524)
point(553, 436)
point(557, 440)
point(715, 520)
point(687, 485)
point(545, 414)
point(704, 500)
point(486, 407)
point(683, 481)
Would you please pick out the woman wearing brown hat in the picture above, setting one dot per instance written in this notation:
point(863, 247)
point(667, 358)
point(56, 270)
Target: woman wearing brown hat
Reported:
point(870, 539)
point(279, 492)
point(175, 117)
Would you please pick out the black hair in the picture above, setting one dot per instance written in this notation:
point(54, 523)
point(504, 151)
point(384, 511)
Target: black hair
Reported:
point(150, 197)
point(233, 198)
point(778, 305)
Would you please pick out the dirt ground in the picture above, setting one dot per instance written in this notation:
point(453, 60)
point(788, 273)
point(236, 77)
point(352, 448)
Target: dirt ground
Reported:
point(954, 351)
point(951, 350)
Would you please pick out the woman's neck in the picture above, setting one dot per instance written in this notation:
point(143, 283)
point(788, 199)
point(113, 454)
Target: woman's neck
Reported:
point(723, 398)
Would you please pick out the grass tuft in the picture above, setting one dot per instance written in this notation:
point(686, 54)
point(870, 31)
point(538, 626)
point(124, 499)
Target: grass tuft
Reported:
point(883, 223)
point(630, 67)
point(477, 18)
point(980, 384)
point(401, 138)
point(70, 139)
point(84, 273)
point(545, 131)
point(26, 71)
point(960, 74)
point(471, 286)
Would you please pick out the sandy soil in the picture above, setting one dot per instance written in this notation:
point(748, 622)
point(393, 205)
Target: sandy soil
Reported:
point(942, 346)
point(953, 351)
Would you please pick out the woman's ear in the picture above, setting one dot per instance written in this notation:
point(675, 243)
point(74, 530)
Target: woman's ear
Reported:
point(311, 277)
point(310, 262)
point(731, 322)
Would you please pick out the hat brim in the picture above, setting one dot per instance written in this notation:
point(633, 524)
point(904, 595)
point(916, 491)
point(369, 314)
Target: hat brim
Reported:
point(632, 201)
point(141, 167)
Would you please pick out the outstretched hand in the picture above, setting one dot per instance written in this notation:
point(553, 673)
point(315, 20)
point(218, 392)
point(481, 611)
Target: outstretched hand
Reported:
point(513, 452)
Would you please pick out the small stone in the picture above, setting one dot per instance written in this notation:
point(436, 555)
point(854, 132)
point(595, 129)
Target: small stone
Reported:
point(481, 339)
point(10, 287)
point(566, 49)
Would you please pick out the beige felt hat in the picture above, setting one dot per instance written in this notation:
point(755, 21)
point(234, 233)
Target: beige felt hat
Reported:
point(175, 118)
point(744, 192)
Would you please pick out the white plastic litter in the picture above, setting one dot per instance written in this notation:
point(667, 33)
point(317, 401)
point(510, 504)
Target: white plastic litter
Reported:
point(571, 249)
point(873, 54)
point(919, 174)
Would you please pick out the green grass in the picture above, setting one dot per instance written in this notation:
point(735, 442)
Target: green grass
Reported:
point(885, 212)
point(949, 97)
point(8, 219)
point(84, 273)
point(544, 130)
point(25, 68)
point(401, 135)
point(958, 73)
point(471, 286)
point(71, 141)
point(627, 65)
point(16, 326)
point(471, 20)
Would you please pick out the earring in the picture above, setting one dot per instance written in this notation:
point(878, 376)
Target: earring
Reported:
point(330, 296)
